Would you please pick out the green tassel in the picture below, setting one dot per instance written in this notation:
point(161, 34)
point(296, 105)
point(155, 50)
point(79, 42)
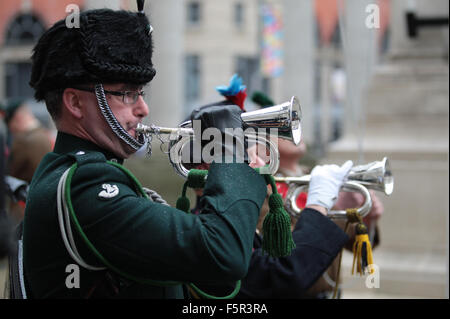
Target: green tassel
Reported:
point(195, 179)
point(183, 203)
point(277, 235)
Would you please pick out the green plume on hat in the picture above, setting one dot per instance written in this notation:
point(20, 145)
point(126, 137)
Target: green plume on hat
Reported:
point(261, 99)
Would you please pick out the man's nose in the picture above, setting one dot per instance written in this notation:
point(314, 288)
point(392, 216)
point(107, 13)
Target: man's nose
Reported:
point(140, 108)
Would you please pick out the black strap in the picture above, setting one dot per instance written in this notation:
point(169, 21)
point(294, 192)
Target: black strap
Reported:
point(15, 291)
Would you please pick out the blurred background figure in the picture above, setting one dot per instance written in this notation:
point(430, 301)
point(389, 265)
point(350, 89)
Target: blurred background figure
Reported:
point(6, 225)
point(28, 142)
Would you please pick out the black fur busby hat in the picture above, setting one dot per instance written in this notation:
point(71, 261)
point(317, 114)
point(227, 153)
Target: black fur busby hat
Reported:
point(108, 47)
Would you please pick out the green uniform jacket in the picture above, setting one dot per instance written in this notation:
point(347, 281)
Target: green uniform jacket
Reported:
point(142, 238)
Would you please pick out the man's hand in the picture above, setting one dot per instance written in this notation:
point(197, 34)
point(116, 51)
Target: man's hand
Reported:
point(325, 183)
point(224, 118)
point(257, 155)
point(218, 116)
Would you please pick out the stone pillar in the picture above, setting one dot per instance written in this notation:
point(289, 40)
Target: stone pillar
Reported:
point(298, 75)
point(407, 113)
point(165, 95)
point(324, 114)
point(98, 4)
point(358, 45)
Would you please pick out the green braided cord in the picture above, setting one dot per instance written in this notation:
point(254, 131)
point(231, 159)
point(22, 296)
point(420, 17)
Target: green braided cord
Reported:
point(205, 295)
point(131, 176)
point(195, 179)
point(271, 181)
point(67, 191)
point(183, 202)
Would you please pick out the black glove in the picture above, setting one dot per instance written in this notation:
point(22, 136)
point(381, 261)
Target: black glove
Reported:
point(232, 145)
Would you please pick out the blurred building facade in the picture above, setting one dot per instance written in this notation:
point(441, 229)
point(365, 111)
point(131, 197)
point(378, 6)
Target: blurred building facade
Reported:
point(21, 25)
point(282, 47)
point(403, 114)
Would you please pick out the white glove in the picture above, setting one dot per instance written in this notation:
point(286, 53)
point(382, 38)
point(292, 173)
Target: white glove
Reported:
point(325, 183)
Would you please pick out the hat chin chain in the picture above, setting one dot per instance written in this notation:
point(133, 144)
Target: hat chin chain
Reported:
point(120, 132)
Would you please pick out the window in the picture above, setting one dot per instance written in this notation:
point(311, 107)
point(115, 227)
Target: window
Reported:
point(317, 40)
point(385, 41)
point(193, 13)
point(248, 69)
point(336, 40)
point(192, 79)
point(17, 79)
point(238, 14)
point(24, 29)
point(266, 86)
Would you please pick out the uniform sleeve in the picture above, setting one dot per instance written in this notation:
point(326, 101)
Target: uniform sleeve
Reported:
point(318, 241)
point(153, 241)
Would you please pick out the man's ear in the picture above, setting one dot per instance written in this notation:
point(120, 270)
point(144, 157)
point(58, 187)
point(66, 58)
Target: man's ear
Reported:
point(72, 103)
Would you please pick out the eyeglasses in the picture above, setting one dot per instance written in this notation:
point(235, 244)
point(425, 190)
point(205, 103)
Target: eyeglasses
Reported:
point(128, 97)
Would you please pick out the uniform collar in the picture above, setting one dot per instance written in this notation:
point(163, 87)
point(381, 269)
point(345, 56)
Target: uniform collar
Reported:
point(66, 143)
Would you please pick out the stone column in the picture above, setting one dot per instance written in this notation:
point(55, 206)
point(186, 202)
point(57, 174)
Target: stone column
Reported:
point(165, 95)
point(407, 112)
point(358, 45)
point(298, 75)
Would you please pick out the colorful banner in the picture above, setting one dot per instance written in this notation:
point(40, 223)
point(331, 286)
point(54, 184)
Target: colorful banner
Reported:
point(272, 41)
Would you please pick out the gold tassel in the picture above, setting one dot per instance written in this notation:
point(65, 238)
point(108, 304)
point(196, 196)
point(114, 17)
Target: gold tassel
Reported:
point(362, 250)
